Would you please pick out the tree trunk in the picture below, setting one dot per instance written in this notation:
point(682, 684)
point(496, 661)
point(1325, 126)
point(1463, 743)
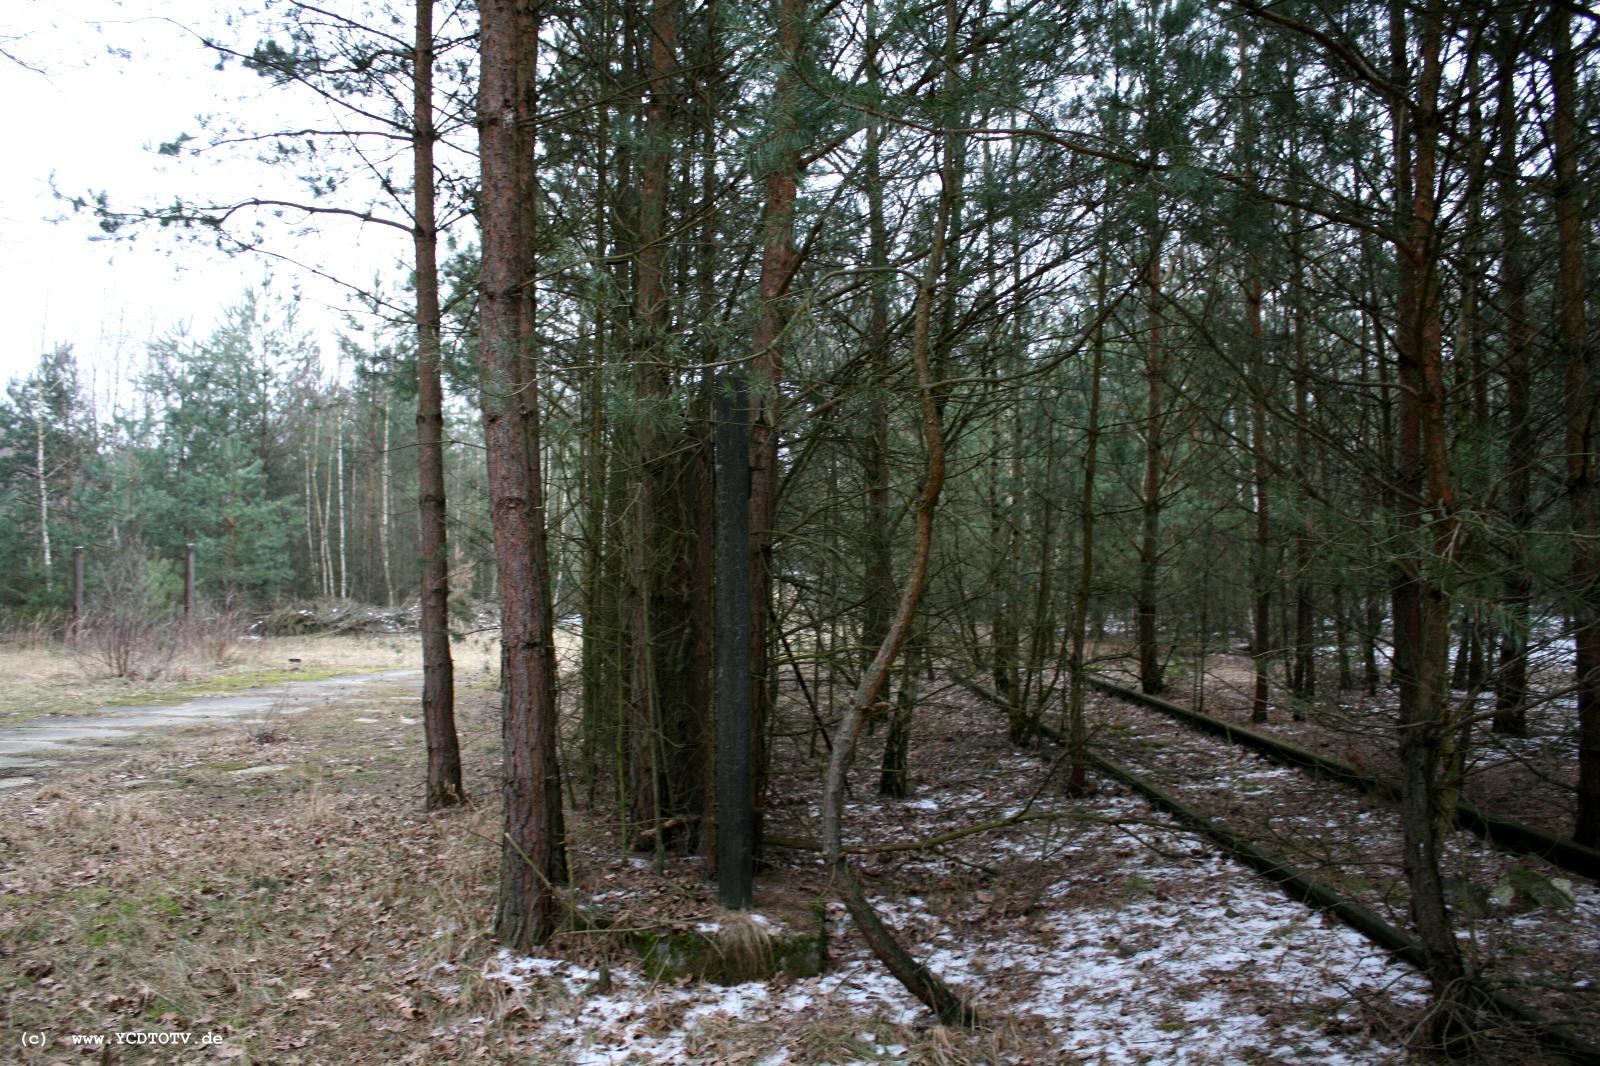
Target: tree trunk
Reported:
point(1261, 568)
point(1511, 679)
point(601, 682)
point(75, 627)
point(735, 807)
point(1042, 628)
point(1305, 612)
point(894, 775)
point(1150, 536)
point(1341, 638)
point(532, 860)
point(1003, 552)
point(778, 262)
point(1261, 574)
point(317, 526)
point(917, 978)
point(338, 467)
point(330, 561)
point(1371, 630)
point(385, 559)
point(310, 501)
point(1572, 343)
point(1077, 730)
point(664, 748)
point(1425, 497)
point(710, 93)
point(877, 549)
point(43, 487)
point(444, 787)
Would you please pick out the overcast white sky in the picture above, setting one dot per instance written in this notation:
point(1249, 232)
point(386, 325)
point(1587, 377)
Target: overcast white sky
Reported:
point(91, 121)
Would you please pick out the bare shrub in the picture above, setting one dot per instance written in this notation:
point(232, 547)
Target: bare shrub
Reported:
point(129, 630)
point(268, 729)
point(269, 733)
point(215, 637)
point(125, 643)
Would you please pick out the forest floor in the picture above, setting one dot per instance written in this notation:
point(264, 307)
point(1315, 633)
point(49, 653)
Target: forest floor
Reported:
point(272, 888)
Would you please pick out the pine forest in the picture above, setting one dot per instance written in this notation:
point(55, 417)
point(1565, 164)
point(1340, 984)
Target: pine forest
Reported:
point(916, 531)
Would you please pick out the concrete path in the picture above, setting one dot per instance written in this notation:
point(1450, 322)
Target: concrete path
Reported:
point(41, 742)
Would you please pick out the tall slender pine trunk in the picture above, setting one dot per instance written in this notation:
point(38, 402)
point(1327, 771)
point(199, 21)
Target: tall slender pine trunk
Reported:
point(1150, 671)
point(916, 977)
point(385, 557)
point(338, 491)
point(532, 859)
point(778, 263)
point(1511, 680)
point(878, 554)
point(1426, 517)
point(1077, 680)
point(1572, 342)
point(444, 788)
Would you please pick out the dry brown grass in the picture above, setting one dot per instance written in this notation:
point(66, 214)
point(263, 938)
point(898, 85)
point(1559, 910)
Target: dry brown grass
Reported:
point(55, 660)
point(51, 677)
point(34, 659)
point(744, 946)
point(297, 914)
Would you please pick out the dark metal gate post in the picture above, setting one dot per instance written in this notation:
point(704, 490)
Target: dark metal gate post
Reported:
point(188, 583)
point(77, 594)
point(735, 797)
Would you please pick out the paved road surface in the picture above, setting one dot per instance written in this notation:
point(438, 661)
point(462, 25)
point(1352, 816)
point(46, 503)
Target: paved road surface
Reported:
point(42, 742)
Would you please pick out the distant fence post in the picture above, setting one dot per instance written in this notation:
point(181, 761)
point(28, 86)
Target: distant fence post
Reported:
point(188, 583)
point(76, 625)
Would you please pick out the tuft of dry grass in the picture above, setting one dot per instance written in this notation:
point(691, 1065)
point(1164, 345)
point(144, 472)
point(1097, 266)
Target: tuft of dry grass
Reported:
point(743, 945)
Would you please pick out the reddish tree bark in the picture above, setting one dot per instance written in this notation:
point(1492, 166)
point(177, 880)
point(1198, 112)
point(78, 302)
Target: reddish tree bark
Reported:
point(438, 670)
point(1572, 344)
point(532, 858)
point(1427, 513)
point(1154, 468)
point(778, 261)
point(1511, 681)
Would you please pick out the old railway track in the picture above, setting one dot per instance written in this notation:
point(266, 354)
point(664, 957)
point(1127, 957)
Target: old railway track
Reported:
point(1502, 832)
point(1339, 849)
